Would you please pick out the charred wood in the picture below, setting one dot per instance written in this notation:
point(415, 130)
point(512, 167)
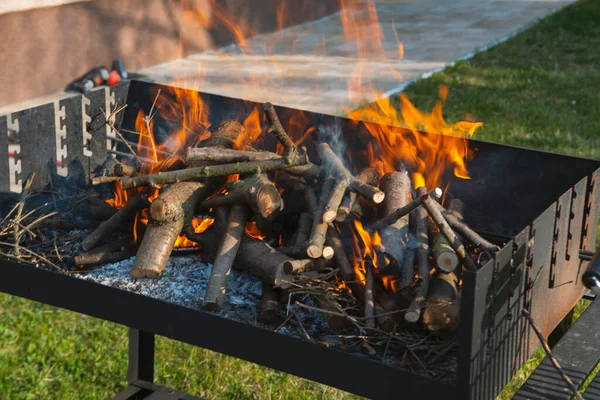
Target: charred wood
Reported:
point(269, 306)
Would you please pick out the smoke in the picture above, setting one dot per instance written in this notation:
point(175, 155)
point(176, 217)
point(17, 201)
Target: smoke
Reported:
point(333, 136)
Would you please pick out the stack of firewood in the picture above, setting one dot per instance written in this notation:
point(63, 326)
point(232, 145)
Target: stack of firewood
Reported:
point(423, 247)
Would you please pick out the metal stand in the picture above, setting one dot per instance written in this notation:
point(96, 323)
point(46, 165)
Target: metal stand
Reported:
point(140, 373)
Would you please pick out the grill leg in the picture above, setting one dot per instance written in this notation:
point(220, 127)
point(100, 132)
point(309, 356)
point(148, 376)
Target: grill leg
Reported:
point(141, 356)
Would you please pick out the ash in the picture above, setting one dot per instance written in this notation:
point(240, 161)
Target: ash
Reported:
point(183, 282)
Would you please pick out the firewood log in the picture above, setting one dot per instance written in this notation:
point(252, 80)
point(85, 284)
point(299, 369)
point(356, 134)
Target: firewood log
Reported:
point(415, 308)
point(443, 254)
point(337, 168)
point(396, 186)
point(318, 233)
point(256, 191)
point(369, 299)
point(125, 214)
point(289, 148)
point(402, 211)
point(454, 241)
point(269, 306)
point(369, 176)
point(226, 156)
point(442, 312)
point(226, 254)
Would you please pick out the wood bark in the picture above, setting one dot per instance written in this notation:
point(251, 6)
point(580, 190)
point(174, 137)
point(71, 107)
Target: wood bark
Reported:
point(169, 212)
point(401, 212)
point(397, 187)
point(337, 168)
point(407, 270)
point(442, 312)
point(256, 191)
point(436, 214)
point(307, 265)
point(289, 148)
point(124, 215)
point(117, 250)
point(318, 233)
point(226, 156)
point(369, 176)
point(443, 254)
point(226, 254)
point(413, 313)
point(335, 199)
point(211, 171)
point(369, 299)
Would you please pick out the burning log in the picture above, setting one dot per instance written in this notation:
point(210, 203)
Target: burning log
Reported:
point(335, 199)
point(211, 171)
point(269, 306)
point(444, 255)
point(407, 209)
point(369, 176)
point(138, 203)
point(226, 254)
point(414, 309)
point(318, 233)
point(437, 216)
point(256, 191)
point(454, 219)
point(443, 307)
point(226, 156)
point(125, 170)
point(369, 299)
point(168, 214)
point(100, 209)
point(396, 186)
point(289, 147)
point(338, 169)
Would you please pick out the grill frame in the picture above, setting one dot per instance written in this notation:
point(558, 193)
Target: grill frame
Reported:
point(494, 341)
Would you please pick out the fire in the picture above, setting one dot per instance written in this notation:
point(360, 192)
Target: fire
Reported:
point(253, 231)
point(120, 196)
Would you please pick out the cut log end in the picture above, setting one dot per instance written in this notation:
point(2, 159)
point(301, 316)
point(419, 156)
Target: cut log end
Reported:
point(412, 315)
point(447, 261)
point(314, 251)
point(269, 201)
point(329, 216)
point(146, 273)
point(378, 197)
point(328, 252)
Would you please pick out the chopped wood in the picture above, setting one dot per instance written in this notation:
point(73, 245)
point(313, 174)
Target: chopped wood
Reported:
point(318, 233)
point(269, 306)
point(289, 148)
point(442, 312)
point(440, 221)
point(225, 156)
point(414, 309)
point(168, 214)
point(407, 270)
point(367, 175)
point(396, 186)
point(125, 170)
point(211, 171)
point(97, 258)
point(443, 254)
point(335, 199)
point(407, 209)
point(303, 230)
point(125, 214)
point(334, 314)
point(337, 168)
point(257, 191)
point(307, 265)
point(226, 254)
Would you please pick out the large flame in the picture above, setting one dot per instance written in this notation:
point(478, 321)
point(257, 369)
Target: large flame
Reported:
point(397, 132)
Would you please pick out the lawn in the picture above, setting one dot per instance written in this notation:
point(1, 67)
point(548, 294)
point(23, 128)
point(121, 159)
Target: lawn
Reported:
point(540, 89)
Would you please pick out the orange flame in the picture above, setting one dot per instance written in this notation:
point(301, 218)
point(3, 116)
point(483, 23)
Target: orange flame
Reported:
point(253, 231)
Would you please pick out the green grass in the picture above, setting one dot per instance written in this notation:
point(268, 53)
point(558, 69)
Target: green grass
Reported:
point(540, 89)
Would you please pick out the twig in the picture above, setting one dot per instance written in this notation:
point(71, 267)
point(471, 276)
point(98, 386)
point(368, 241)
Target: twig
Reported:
point(304, 332)
point(33, 254)
point(553, 359)
point(24, 196)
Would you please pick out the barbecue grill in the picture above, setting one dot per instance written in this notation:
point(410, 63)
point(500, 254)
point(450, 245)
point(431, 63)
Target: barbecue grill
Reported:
point(543, 206)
